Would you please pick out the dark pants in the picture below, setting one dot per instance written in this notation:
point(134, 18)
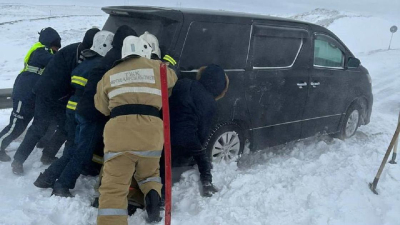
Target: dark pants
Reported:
point(20, 117)
point(57, 139)
point(45, 112)
point(68, 168)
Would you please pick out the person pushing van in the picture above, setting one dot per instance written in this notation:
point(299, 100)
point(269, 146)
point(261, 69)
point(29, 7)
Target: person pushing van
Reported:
point(130, 94)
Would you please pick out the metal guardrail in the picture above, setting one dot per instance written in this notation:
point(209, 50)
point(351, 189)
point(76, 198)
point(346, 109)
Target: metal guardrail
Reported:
point(5, 98)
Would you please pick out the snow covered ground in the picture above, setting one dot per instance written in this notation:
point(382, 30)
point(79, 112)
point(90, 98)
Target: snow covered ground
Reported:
point(312, 182)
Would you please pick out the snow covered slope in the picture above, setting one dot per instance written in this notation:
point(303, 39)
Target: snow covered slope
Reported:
point(19, 27)
point(312, 182)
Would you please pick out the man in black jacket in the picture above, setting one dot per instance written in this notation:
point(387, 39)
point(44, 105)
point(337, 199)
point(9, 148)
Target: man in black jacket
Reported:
point(35, 61)
point(52, 93)
point(192, 107)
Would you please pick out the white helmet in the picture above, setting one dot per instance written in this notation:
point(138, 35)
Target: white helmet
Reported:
point(153, 41)
point(136, 46)
point(102, 42)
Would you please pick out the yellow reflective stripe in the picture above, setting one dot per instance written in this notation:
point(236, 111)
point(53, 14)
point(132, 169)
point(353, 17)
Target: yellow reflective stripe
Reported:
point(97, 159)
point(170, 59)
point(79, 80)
point(72, 105)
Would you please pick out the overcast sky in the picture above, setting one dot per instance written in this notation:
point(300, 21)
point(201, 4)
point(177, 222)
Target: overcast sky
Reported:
point(387, 8)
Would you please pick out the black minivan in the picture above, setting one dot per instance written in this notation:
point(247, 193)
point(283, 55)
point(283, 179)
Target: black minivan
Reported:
point(289, 80)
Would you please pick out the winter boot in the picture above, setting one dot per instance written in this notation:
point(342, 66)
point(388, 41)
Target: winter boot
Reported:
point(61, 192)
point(153, 201)
point(47, 160)
point(4, 157)
point(208, 189)
point(44, 181)
point(17, 168)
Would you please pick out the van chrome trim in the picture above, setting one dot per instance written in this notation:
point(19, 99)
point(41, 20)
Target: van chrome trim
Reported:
point(328, 67)
point(228, 70)
point(279, 124)
point(248, 48)
point(283, 67)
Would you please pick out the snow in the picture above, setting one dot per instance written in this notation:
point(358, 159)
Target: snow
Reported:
point(316, 181)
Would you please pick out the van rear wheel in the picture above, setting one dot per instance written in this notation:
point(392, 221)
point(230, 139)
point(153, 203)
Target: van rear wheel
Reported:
point(225, 143)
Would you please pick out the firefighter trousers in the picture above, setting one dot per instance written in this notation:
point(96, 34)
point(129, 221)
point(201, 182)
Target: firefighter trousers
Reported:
point(117, 178)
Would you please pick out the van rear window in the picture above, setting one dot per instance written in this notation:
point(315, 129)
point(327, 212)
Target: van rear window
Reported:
point(164, 30)
point(218, 43)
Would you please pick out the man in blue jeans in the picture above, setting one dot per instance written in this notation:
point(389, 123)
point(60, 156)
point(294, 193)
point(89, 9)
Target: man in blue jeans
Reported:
point(82, 132)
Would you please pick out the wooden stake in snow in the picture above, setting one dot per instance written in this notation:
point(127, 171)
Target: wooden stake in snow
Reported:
point(167, 143)
point(373, 185)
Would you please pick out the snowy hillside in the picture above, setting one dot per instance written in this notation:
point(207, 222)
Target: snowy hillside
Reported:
point(317, 181)
point(20, 24)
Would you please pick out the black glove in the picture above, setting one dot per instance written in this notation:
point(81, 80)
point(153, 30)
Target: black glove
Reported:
point(209, 189)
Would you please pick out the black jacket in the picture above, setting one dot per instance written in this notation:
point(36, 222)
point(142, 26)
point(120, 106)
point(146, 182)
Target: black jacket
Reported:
point(86, 103)
point(86, 106)
point(55, 80)
point(192, 108)
point(54, 84)
point(193, 105)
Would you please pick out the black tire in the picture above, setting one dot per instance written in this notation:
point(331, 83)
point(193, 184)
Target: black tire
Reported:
point(354, 108)
point(229, 128)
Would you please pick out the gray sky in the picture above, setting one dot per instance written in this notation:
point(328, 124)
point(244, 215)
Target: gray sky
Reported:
point(386, 8)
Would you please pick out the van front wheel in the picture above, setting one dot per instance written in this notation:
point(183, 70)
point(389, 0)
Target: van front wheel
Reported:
point(225, 143)
point(351, 122)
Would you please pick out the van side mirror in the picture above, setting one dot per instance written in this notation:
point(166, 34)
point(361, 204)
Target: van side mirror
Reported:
point(353, 63)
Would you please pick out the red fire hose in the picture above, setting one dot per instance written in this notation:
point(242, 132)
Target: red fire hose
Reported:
point(167, 143)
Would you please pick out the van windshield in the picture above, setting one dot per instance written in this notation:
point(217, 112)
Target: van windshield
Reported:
point(164, 30)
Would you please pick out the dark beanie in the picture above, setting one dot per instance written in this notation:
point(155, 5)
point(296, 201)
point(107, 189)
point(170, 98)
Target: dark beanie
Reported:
point(88, 39)
point(120, 35)
point(213, 79)
point(49, 37)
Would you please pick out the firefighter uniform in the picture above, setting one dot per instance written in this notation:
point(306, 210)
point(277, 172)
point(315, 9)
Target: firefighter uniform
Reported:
point(130, 94)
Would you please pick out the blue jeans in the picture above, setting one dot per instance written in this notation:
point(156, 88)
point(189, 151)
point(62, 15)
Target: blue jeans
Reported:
point(69, 166)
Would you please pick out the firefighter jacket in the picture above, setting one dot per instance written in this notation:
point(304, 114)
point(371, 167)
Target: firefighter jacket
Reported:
point(86, 107)
point(134, 81)
point(79, 78)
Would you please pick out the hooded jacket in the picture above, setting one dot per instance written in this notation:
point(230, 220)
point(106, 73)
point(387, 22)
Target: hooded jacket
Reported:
point(193, 105)
point(55, 80)
point(86, 106)
point(37, 57)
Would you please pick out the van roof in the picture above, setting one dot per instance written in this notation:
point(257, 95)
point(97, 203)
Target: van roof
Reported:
point(191, 12)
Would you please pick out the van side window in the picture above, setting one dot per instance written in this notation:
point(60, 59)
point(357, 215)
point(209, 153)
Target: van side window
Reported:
point(276, 47)
point(218, 43)
point(327, 53)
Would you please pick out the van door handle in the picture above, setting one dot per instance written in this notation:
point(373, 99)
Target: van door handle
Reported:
point(315, 84)
point(301, 85)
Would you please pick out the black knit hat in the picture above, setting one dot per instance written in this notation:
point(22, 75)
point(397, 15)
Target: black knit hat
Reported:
point(213, 79)
point(120, 35)
point(88, 39)
point(49, 37)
